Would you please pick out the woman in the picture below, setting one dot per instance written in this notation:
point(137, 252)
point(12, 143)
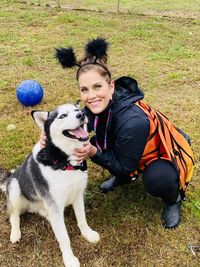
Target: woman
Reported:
point(130, 137)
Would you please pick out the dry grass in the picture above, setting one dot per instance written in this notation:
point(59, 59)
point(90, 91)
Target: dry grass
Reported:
point(162, 53)
point(179, 8)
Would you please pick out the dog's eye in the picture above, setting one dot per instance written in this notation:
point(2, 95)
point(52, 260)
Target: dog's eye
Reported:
point(63, 116)
point(77, 110)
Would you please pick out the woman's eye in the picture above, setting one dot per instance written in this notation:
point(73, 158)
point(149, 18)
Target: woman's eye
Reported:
point(84, 90)
point(97, 86)
point(63, 116)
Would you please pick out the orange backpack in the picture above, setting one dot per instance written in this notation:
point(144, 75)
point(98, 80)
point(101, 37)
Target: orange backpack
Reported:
point(166, 142)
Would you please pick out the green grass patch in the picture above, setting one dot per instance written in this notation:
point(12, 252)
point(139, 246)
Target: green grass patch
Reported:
point(157, 44)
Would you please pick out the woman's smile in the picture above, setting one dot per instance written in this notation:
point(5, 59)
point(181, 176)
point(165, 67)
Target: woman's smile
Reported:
point(94, 103)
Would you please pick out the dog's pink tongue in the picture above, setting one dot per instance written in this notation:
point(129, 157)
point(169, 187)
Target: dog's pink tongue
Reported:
point(79, 133)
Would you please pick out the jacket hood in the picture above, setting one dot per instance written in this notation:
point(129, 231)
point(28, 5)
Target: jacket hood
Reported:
point(127, 90)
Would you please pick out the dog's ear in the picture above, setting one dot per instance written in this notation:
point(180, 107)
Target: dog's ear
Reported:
point(40, 117)
point(77, 104)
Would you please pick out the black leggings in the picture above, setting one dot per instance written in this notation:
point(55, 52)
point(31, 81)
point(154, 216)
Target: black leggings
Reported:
point(161, 180)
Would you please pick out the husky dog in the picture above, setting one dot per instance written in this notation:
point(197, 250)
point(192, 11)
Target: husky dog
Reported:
point(50, 178)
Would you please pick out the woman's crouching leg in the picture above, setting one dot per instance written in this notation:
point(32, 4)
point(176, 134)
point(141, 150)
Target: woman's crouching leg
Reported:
point(161, 180)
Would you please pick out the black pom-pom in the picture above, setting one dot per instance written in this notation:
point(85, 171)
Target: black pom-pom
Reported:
point(66, 57)
point(97, 47)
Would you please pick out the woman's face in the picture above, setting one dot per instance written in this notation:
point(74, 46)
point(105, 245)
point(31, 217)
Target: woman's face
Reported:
point(95, 91)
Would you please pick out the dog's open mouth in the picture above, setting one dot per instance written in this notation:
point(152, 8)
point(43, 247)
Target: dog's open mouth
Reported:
point(78, 133)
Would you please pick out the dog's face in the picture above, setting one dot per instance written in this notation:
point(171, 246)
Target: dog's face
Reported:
point(66, 126)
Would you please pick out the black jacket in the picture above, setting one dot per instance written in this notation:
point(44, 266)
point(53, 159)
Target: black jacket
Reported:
point(127, 131)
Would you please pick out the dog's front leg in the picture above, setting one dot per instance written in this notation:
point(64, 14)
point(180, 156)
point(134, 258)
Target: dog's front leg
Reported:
point(86, 231)
point(15, 234)
point(56, 219)
point(15, 205)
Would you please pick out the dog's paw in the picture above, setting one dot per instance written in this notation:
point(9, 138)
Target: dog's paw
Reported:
point(92, 236)
point(15, 236)
point(73, 262)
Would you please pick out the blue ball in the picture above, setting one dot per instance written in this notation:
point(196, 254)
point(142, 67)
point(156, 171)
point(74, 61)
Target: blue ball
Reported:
point(29, 93)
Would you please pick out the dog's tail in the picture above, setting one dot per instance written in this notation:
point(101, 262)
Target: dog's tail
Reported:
point(4, 174)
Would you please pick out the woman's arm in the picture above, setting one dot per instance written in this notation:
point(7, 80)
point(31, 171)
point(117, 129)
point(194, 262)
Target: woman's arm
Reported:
point(129, 145)
point(128, 149)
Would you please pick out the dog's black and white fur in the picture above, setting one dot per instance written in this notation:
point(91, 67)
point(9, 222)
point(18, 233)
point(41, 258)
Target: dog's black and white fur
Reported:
point(50, 178)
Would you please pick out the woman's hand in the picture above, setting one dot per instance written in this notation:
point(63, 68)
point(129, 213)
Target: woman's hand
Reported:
point(43, 139)
point(84, 152)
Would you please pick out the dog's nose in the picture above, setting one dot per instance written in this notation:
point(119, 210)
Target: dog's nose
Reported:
point(80, 115)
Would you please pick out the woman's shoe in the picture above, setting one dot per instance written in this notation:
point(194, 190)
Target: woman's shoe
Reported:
point(171, 214)
point(110, 184)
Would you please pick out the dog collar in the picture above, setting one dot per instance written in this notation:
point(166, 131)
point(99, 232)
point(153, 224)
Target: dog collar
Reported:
point(69, 167)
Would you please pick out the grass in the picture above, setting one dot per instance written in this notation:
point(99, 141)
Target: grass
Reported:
point(162, 53)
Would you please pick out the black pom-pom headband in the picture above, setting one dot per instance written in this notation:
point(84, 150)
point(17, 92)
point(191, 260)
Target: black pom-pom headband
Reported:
point(95, 49)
